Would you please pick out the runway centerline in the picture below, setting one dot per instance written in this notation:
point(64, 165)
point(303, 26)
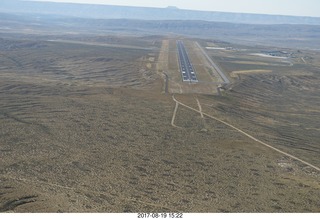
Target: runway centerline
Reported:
point(186, 68)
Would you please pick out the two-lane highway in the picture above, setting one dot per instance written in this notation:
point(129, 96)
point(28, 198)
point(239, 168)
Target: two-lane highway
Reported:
point(187, 71)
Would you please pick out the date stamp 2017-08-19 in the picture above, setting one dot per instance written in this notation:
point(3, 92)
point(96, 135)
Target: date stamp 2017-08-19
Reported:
point(160, 215)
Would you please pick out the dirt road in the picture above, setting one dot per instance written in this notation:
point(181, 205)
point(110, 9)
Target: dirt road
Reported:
point(246, 134)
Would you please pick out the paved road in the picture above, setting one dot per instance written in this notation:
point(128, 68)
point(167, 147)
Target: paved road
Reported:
point(222, 75)
point(187, 71)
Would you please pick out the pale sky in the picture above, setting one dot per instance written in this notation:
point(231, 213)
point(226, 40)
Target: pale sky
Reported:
point(279, 7)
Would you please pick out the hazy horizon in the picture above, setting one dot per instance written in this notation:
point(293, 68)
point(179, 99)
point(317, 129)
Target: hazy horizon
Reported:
point(307, 8)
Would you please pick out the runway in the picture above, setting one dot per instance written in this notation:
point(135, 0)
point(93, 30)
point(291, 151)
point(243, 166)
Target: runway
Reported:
point(187, 71)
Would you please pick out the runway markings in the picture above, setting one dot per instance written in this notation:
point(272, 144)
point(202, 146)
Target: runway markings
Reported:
point(187, 71)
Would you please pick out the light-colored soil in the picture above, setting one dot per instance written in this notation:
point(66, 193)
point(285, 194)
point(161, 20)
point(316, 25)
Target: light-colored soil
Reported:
point(248, 72)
